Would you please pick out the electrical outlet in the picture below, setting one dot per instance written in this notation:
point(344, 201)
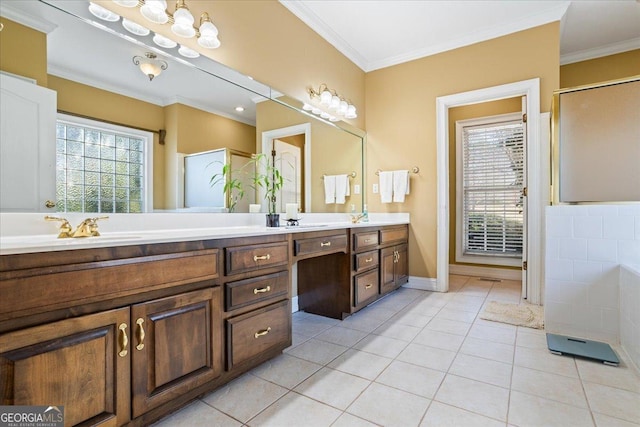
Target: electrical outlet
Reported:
point(356, 189)
point(375, 188)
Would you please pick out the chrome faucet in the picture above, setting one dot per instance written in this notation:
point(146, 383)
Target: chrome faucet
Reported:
point(87, 228)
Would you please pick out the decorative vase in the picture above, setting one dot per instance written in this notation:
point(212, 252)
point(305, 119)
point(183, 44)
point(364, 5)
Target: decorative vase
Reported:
point(273, 220)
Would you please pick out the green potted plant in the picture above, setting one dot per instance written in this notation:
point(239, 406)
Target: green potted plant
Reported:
point(264, 175)
point(268, 177)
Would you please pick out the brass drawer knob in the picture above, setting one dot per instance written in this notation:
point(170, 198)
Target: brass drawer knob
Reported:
point(257, 258)
point(368, 260)
point(262, 332)
point(323, 244)
point(261, 290)
point(369, 286)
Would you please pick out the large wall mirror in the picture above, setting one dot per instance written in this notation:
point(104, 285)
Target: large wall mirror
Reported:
point(191, 114)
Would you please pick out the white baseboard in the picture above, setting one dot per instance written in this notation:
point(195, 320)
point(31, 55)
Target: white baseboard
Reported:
point(477, 271)
point(422, 283)
point(294, 304)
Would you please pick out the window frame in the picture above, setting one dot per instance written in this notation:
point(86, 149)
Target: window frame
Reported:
point(460, 256)
point(146, 136)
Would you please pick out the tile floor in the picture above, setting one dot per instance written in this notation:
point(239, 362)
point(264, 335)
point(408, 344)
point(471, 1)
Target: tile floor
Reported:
point(419, 358)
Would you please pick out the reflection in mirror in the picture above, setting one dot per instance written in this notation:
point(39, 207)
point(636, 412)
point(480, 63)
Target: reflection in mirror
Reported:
point(187, 109)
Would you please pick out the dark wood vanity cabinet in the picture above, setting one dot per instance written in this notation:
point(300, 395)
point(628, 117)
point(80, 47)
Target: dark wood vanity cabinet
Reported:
point(354, 275)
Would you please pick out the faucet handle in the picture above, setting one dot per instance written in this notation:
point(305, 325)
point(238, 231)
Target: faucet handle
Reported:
point(93, 224)
point(65, 227)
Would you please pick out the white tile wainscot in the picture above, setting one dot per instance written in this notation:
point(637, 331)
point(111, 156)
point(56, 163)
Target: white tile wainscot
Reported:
point(586, 247)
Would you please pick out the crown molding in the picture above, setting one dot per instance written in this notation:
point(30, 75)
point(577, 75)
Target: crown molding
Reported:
point(307, 16)
point(536, 20)
point(19, 16)
point(598, 52)
point(312, 20)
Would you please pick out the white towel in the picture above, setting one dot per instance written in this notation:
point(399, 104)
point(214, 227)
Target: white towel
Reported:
point(329, 189)
point(400, 185)
point(342, 188)
point(386, 186)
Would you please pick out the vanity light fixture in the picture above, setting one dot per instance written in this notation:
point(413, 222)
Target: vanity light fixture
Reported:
point(163, 41)
point(150, 65)
point(331, 100)
point(188, 52)
point(182, 21)
point(134, 28)
point(102, 13)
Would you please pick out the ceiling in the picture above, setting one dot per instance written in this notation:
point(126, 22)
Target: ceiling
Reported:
point(379, 33)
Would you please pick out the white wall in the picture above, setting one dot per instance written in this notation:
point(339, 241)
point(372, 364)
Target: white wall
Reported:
point(585, 245)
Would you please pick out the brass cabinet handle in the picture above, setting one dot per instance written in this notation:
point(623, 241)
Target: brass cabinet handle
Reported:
point(368, 286)
point(262, 332)
point(49, 204)
point(261, 290)
point(123, 339)
point(140, 345)
point(368, 259)
point(323, 244)
point(261, 257)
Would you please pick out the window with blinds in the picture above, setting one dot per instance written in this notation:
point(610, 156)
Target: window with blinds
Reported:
point(491, 182)
point(100, 167)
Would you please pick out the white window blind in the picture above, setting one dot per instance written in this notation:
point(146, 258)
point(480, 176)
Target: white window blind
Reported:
point(492, 189)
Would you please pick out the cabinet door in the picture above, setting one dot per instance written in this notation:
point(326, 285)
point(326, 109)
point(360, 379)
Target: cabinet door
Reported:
point(82, 364)
point(387, 269)
point(176, 346)
point(402, 265)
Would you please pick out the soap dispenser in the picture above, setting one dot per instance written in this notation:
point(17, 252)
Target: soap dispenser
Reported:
point(365, 214)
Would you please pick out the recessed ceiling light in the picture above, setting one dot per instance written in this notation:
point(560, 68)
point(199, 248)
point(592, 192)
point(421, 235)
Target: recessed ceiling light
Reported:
point(239, 108)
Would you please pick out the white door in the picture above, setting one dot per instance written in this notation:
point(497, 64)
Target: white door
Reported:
point(27, 146)
point(289, 163)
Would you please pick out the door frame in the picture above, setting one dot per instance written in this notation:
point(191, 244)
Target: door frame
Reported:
point(303, 128)
point(531, 90)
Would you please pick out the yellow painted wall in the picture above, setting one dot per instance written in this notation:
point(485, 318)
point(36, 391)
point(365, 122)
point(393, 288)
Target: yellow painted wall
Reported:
point(401, 117)
point(475, 111)
point(596, 70)
point(23, 51)
point(333, 152)
point(261, 38)
point(199, 131)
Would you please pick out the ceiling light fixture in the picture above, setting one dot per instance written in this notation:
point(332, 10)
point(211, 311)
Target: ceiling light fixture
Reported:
point(182, 21)
point(330, 99)
point(150, 65)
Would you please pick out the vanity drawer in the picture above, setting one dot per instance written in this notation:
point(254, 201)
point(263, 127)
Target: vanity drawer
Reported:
point(399, 234)
point(365, 240)
point(366, 260)
point(319, 245)
point(365, 287)
point(241, 259)
point(257, 289)
point(258, 331)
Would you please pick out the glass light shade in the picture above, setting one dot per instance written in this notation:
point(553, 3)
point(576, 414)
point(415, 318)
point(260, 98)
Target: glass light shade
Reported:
point(126, 3)
point(325, 115)
point(155, 11)
point(187, 52)
point(325, 97)
point(335, 102)
point(209, 42)
point(307, 107)
point(186, 31)
point(316, 111)
point(134, 28)
point(102, 13)
point(334, 119)
point(343, 107)
point(150, 69)
point(162, 41)
point(351, 112)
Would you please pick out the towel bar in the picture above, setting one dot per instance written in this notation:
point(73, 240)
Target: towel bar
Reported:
point(414, 169)
point(351, 175)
